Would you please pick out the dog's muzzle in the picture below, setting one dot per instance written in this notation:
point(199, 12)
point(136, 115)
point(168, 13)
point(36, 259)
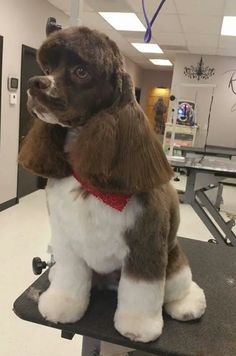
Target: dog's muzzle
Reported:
point(41, 83)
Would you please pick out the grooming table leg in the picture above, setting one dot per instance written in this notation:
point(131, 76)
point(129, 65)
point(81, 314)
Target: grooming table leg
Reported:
point(91, 347)
point(224, 226)
point(219, 199)
point(108, 349)
point(206, 220)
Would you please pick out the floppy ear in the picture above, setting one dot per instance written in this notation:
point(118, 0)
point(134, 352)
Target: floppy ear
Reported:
point(93, 153)
point(42, 151)
point(117, 150)
point(141, 162)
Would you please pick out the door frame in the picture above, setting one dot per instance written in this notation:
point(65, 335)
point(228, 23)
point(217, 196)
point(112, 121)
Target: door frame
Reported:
point(41, 181)
point(23, 51)
point(1, 55)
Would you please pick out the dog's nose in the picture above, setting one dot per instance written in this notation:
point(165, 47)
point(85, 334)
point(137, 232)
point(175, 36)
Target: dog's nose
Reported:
point(40, 83)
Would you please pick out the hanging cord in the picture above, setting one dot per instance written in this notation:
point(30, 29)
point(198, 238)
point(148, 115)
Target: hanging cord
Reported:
point(148, 34)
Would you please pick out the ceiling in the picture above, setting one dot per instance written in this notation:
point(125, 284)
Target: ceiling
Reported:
point(183, 26)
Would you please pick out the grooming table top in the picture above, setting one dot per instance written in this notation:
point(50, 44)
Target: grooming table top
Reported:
point(213, 267)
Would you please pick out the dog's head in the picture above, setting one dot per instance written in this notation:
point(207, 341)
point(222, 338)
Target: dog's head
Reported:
point(82, 76)
point(85, 85)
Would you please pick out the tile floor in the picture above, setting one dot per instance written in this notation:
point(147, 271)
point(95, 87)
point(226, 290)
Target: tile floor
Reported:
point(24, 233)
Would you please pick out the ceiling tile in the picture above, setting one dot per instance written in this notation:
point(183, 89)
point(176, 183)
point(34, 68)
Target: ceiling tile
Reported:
point(226, 51)
point(64, 5)
point(108, 5)
point(95, 21)
point(151, 6)
point(164, 38)
point(200, 7)
point(132, 36)
point(167, 23)
point(155, 55)
point(227, 42)
point(230, 8)
point(201, 40)
point(201, 24)
point(202, 50)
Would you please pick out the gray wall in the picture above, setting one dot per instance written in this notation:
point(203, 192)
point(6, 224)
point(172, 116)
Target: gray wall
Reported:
point(135, 71)
point(152, 79)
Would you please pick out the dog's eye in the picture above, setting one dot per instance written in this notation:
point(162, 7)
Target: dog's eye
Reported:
point(80, 72)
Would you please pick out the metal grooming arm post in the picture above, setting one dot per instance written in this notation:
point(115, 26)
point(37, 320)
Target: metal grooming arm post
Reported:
point(76, 7)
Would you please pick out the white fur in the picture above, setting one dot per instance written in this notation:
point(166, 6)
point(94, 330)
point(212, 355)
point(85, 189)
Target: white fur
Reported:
point(192, 306)
point(178, 285)
point(46, 117)
point(139, 311)
point(86, 234)
point(184, 299)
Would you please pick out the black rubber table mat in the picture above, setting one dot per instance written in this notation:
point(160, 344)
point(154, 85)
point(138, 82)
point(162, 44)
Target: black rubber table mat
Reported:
point(213, 267)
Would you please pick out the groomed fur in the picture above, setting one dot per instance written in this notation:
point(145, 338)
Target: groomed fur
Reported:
point(42, 151)
point(127, 155)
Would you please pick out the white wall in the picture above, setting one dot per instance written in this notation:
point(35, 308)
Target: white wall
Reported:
point(152, 79)
point(135, 71)
point(222, 131)
point(21, 22)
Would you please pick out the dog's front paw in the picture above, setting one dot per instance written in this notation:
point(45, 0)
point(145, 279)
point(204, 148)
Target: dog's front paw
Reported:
point(60, 307)
point(137, 327)
point(192, 306)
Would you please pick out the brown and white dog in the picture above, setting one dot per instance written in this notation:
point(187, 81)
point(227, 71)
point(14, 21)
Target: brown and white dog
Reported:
point(110, 201)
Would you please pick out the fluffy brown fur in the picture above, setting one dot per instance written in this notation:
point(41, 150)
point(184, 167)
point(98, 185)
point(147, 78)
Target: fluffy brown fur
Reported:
point(42, 151)
point(154, 234)
point(115, 149)
point(126, 156)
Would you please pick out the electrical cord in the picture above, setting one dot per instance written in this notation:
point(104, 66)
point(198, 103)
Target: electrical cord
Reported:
point(148, 34)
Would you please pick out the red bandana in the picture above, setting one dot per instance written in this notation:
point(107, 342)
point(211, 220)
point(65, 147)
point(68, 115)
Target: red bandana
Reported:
point(116, 201)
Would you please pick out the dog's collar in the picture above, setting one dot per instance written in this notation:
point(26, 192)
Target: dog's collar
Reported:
point(114, 200)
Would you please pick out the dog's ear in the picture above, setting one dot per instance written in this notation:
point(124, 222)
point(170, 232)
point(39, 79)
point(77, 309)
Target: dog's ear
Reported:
point(93, 153)
point(42, 151)
point(117, 149)
point(140, 161)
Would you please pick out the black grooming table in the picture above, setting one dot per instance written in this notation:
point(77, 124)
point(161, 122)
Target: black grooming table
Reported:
point(214, 268)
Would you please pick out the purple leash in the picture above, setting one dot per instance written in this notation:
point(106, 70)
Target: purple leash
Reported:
point(148, 34)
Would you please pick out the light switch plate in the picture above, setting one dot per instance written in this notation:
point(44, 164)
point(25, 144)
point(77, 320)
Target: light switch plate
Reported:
point(13, 98)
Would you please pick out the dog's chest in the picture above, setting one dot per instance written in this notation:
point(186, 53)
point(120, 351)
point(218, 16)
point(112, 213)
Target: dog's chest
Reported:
point(93, 229)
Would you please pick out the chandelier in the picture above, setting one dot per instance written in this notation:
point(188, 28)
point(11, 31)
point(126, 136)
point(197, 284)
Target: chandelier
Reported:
point(200, 71)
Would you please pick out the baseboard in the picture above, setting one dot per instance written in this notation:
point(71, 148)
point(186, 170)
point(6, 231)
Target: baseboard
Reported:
point(8, 204)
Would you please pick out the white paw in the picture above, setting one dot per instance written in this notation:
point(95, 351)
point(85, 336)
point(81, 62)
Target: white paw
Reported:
point(137, 327)
point(192, 306)
point(60, 307)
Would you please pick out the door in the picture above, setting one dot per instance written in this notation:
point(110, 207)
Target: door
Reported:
point(27, 182)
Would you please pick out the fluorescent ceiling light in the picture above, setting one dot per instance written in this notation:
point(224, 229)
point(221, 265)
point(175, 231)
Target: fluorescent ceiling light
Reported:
point(123, 21)
point(161, 62)
point(229, 26)
point(147, 47)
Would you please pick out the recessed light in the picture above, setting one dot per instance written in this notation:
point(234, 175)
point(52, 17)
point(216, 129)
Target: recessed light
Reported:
point(147, 47)
point(123, 21)
point(229, 26)
point(161, 62)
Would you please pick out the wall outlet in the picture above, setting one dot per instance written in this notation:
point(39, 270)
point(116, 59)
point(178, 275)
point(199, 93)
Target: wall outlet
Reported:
point(13, 98)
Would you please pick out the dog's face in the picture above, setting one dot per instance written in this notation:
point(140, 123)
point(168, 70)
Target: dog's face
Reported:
point(80, 78)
